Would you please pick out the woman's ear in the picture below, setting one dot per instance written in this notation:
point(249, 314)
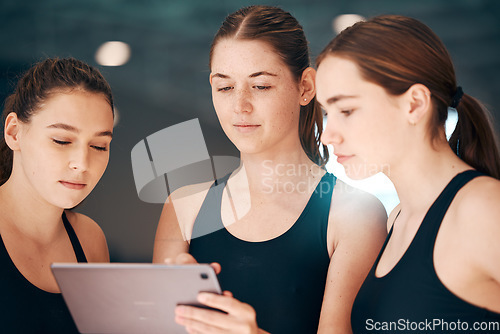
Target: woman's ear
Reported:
point(307, 86)
point(11, 131)
point(418, 98)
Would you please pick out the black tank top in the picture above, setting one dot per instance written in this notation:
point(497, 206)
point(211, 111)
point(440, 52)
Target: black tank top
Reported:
point(283, 278)
point(411, 298)
point(24, 308)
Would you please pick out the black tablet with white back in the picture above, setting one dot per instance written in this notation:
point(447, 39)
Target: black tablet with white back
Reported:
point(131, 298)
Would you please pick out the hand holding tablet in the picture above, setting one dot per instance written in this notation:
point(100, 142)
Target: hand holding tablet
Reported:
point(131, 298)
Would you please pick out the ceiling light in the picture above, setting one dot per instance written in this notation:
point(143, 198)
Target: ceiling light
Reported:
point(113, 53)
point(344, 21)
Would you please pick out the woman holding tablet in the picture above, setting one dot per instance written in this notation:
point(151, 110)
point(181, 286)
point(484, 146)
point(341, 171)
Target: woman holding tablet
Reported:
point(58, 128)
point(294, 243)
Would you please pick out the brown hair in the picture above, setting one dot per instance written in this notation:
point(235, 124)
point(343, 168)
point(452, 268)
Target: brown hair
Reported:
point(282, 31)
point(37, 84)
point(396, 52)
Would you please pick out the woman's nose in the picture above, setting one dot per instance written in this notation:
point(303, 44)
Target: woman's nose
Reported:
point(79, 159)
point(243, 101)
point(331, 134)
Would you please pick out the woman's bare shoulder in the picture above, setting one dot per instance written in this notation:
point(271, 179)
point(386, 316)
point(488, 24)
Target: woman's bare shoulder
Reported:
point(355, 203)
point(476, 219)
point(354, 211)
point(177, 220)
point(479, 200)
point(187, 201)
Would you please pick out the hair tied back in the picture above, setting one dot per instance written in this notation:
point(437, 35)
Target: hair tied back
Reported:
point(455, 100)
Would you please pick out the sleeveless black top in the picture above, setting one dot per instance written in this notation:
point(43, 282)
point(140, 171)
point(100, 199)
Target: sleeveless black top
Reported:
point(411, 298)
point(24, 308)
point(283, 278)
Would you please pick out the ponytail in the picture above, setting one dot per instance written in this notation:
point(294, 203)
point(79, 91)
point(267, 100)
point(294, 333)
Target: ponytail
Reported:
point(474, 139)
point(5, 161)
point(310, 129)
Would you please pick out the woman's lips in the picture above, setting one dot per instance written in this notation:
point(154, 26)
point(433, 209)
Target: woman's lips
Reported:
point(246, 127)
point(73, 185)
point(343, 158)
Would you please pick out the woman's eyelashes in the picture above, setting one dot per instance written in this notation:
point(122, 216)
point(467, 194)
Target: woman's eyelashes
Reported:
point(101, 148)
point(256, 87)
point(61, 142)
point(346, 112)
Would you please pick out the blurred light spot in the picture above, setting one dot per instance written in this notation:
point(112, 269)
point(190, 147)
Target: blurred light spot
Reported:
point(344, 21)
point(116, 116)
point(451, 122)
point(113, 53)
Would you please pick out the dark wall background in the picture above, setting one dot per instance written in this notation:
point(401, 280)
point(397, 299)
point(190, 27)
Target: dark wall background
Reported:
point(166, 80)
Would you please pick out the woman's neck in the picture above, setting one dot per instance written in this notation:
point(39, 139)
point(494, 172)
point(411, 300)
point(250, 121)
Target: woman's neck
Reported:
point(422, 174)
point(26, 213)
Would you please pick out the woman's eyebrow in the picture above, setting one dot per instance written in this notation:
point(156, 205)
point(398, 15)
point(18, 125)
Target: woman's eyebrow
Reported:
point(219, 75)
point(71, 128)
point(253, 75)
point(257, 74)
point(63, 126)
point(339, 97)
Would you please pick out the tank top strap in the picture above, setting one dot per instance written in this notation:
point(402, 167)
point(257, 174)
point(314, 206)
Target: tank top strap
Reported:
point(208, 219)
point(432, 220)
point(324, 190)
point(321, 199)
point(314, 218)
point(222, 181)
point(387, 238)
point(77, 247)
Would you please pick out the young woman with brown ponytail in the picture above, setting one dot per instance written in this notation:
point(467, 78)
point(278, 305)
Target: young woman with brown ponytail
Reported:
point(293, 242)
point(57, 132)
point(386, 85)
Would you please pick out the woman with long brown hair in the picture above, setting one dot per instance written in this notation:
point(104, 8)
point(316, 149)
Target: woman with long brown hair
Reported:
point(57, 132)
point(294, 242)
point(386, 85)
